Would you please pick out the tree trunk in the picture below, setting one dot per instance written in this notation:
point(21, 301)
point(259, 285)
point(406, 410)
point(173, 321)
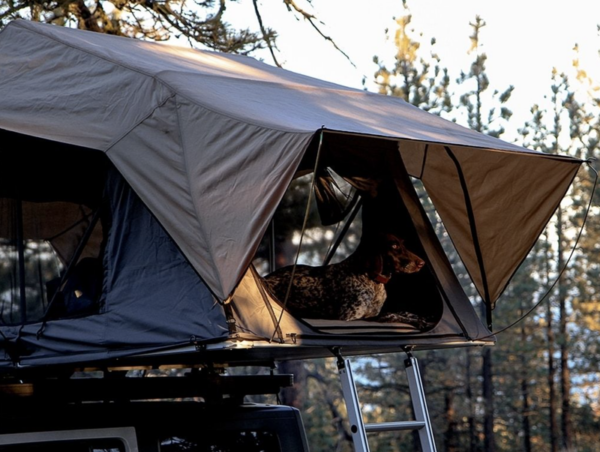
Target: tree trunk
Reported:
point(565, 382)
point(472, 431)
point(295, 394)
point(525, 394)
point(489, 443)
point(526, 425)
point(450, 444)
point(553, 427)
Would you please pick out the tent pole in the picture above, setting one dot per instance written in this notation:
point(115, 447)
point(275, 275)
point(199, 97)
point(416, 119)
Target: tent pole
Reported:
point(357, 201)
point(272, 246)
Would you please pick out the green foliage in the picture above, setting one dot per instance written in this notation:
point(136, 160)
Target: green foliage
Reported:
point(473, 101)
point(419, 81)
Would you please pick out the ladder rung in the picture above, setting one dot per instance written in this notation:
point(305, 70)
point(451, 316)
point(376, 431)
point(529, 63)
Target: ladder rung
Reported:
point(393, 426)
point(359, 429)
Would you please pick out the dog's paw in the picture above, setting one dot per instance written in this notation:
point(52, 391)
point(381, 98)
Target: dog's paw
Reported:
point(409, 318)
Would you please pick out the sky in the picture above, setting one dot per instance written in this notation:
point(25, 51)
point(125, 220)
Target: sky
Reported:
point(523, 39)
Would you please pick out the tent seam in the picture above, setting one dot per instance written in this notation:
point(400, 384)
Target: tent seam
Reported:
point(158, 79)
point(189, 182)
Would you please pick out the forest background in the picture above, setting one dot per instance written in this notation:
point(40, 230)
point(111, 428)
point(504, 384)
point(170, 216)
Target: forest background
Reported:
point(538, 388)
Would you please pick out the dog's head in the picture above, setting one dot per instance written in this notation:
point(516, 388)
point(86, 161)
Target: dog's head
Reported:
point(396, 257)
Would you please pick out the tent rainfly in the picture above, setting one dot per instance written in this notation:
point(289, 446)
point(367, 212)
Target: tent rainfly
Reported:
point(152, 173)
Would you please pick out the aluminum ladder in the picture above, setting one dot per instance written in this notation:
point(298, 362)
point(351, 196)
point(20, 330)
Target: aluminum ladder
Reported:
point(359, 429)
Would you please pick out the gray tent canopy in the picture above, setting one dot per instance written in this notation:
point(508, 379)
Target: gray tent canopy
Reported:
point(171, 163)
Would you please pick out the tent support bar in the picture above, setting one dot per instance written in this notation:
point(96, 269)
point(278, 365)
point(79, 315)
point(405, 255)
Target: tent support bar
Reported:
point(357, 204)
point(422, 422)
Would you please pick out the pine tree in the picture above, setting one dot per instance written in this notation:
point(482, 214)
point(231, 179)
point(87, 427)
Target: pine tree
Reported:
point(489, 121)
point(570, 129)
point(535, 136)
point(419, 81)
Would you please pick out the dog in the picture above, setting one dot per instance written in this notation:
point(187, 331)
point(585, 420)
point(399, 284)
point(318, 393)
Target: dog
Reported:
point(352, 289)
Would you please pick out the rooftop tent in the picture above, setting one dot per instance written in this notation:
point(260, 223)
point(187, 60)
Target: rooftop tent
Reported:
point(167, 164)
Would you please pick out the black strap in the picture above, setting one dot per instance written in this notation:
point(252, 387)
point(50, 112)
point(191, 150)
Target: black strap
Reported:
point(486, 293)
point(355, 204)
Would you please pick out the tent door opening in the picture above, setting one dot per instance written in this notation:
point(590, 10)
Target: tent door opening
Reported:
point(352, 203)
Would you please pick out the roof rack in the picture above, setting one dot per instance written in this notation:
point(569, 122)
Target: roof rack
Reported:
point(210, 386)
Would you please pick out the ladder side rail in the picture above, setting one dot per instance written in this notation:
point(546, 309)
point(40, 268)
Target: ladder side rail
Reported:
point(422, 422)
point(357, 427)
point(417, 394)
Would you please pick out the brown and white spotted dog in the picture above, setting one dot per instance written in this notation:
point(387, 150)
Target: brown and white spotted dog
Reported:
point(349, 290)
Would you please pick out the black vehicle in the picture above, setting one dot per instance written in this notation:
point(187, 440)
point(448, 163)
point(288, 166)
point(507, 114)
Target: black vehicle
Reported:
point(165, 414)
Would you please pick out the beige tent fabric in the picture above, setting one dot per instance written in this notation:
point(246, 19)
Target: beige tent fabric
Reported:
point(512, 195)
point(257, 313)
point(210, 142)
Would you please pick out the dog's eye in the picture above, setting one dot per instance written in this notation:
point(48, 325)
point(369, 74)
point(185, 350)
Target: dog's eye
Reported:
point(394, 246)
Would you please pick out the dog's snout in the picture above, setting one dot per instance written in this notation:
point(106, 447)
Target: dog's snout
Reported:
point(412, 263)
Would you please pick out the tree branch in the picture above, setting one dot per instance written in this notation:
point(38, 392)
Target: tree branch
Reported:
point(292, 6)
point(335, 413)
point(266, 36)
